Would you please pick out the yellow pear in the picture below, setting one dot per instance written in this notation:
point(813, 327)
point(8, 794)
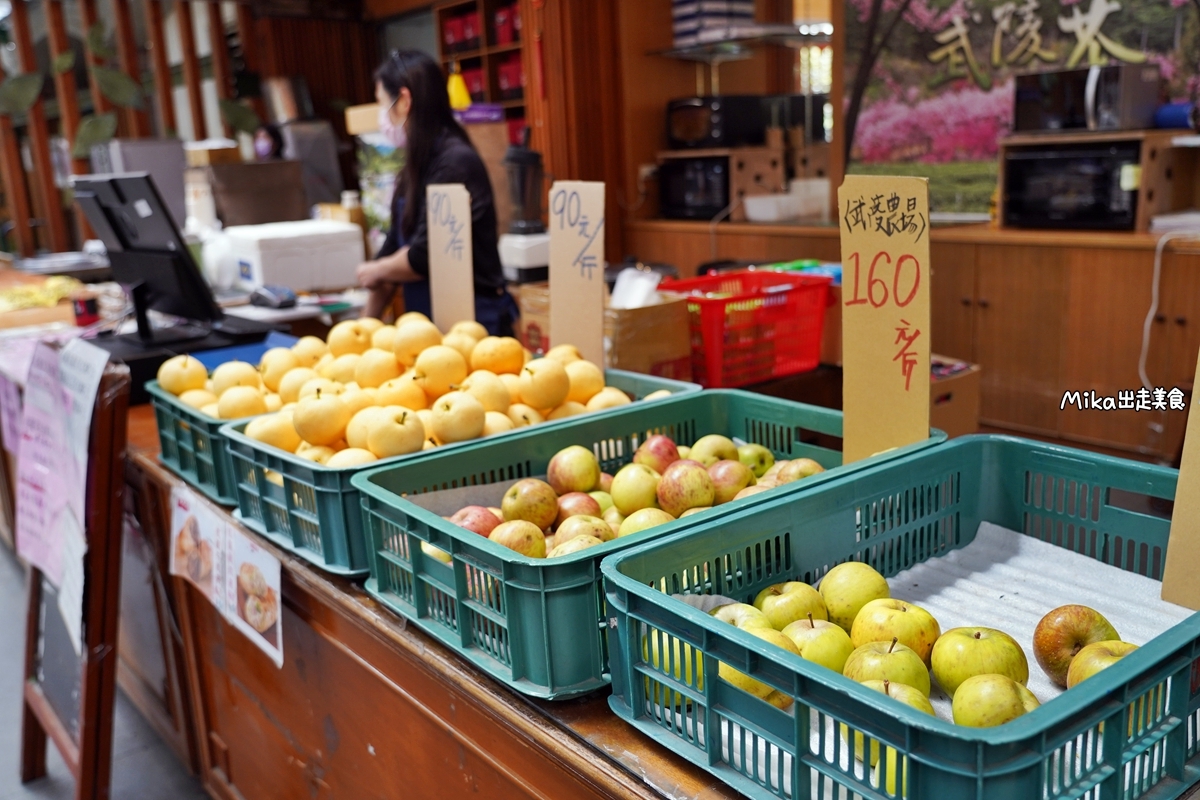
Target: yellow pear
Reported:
point(396, 432)
point(350, 457)
point(343, 367)
point(513, 383)
point(544, 383)
point(498, 354)
point(309, 350)
point(413, 337)
point(567, 409)
point(586, 380)
point(430, 444)
point(196, 398)
point(659, 395)
point(276, 363)
point(235, 373)
point(348, 337)
point(315, 385)
point(273, 401)
point(376, 367)
point(565, 353)
point(525, 354)
point(321, 419)
point(323, 364)
point(275, 430)
point(403, 391)
point(181, 374)
point(358, 399)
point(488, 389)
point(213, 410)
point(370, 324)
point(360, 423)
point(290, 385)
point(321, 455)
point(426, 417)
point(273, 477)
point(411, 316)
point(523, 416)
point(494, 422)
point(608, 397)
point(460, 342)
point(439, 368)
point(458, 417)
point(208, 386)
point(471, 328)
point(241, 401)
point(383, 337)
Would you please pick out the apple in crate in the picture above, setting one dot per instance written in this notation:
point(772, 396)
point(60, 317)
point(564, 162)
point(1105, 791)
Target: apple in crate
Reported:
point(573, 469)
point(888, 661)
point(604, 499)
point(710, 449)
point(985, 701)
point(1094, 658)
point(962, 653)
point(520, 536)
point(574, 504)
point(574, 545)
point(785, 603)
point(643, 519)
point(729, 478)
point(758, 458)
point(1062, 633)
point(476, 519)
point(757, 687)
point(848, 587)
point(799, 469)
point(897, 691)
point(821, 642)
point(881, 620)
point(585, 525)
point(658, 452)
point(686, 484)
point(634, 487)
point(531, 500)
point(741, 615)
point(605, 484)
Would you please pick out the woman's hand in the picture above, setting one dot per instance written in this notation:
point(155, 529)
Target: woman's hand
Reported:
point(372, 274)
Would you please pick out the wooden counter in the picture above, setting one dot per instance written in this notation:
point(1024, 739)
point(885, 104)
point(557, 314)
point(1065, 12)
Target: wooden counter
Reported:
point(367, 707)
point(1043, 312)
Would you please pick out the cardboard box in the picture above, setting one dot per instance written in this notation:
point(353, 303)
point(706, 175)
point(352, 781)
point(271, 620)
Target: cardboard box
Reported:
point(954, 400)
point(362, 119)
point(208, 156)
point(655, 340)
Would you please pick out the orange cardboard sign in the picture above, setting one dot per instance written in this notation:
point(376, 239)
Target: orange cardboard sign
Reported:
point(885, 313)
point(451, 263)
point(577, 267)
point(1183, 545)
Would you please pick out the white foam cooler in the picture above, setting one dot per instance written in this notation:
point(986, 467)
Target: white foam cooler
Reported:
point(303, 255)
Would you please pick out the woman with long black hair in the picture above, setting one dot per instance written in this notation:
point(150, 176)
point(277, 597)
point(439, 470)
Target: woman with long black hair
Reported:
point(415, 115)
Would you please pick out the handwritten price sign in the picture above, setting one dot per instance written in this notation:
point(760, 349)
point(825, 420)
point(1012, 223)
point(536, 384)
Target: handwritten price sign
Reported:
point(885, 313)
point(577, 267)
point(451, 265)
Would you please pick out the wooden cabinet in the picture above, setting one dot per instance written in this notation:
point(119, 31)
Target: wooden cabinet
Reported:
point(952, 300)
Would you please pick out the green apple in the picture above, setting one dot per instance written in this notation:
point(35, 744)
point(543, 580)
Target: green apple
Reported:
point(985, 701)
point(634, 487)
point(686, 665)
point(1064, 632)
point(799, 469)
point(750, 685)
point(848, 587)
point(888, 774)
point(888, 661)
point(758, 458)
point(964, 652)
point(710, 449)
point(684, 451)
point(604, 499)
point(741, 615)
point(1094, 658)
point(641, 520)
point(784, 603)
point(897, 691)
point(821, 642)
point(887, 618)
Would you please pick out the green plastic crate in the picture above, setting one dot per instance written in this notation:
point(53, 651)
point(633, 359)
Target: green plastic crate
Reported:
point(191, 445)
point(316, 512)
point(893, 516)
point(534, 624)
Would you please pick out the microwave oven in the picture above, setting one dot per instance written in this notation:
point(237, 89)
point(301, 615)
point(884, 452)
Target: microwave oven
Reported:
point(1122, 97)
point(1087, 186)
point(740, 120)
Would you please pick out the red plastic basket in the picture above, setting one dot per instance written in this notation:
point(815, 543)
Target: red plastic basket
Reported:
point(750, 326)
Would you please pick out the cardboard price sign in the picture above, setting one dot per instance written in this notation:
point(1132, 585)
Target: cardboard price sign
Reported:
point(451, 263)
point(577, 267)
point(1183, 545)
point(885, 313)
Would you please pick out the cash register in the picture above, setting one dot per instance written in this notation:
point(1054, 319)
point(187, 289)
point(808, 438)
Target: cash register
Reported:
point(148, 255)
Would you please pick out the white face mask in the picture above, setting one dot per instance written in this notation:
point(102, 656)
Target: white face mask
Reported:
point(392, 132)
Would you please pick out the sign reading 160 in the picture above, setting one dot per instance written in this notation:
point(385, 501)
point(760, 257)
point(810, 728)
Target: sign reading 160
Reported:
point(906, 269)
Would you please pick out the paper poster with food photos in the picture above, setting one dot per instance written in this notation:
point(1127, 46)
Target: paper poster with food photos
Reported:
point(253, 593)
point(198, 545)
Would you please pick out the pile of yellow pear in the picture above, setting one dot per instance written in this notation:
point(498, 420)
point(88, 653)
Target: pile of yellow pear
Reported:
point(373, 391)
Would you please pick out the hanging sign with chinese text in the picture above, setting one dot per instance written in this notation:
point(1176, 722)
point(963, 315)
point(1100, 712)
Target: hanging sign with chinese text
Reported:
point(577, 267)
point(885, 313)
point(451, 263)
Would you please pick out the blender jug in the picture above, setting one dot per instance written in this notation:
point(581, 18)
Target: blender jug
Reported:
point(524, 168)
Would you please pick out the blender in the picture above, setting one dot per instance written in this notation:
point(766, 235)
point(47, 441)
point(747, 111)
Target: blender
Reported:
point(525, 249)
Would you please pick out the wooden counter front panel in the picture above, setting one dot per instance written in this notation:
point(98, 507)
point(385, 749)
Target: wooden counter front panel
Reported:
point(952, 299)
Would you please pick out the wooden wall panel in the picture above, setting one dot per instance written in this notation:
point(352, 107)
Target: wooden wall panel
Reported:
point(161, 69)
point(137, 121)
point(64, 82)
point(16, 191)
point(191, 69)
point(222, 70)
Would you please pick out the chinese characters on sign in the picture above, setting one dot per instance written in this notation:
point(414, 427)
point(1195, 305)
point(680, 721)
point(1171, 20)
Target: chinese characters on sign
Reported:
point(451, 264)
point(1143, 399)
point(889, 215)
point(577, 266)
point(566, 206)
point(1018, 40)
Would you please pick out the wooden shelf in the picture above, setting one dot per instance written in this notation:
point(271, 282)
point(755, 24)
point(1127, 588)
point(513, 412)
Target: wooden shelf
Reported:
point(462, 55)
point(1085, 137)
point(500, 49)
point(512, 103)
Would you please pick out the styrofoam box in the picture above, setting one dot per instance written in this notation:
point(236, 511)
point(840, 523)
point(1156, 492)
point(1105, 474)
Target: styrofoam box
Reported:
point(302, 255)
point(772, 207)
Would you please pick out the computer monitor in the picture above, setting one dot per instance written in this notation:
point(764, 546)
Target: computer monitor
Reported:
point(147, 253)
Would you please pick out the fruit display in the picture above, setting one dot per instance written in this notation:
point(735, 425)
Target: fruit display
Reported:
point(578, 501)
point(376, 391)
